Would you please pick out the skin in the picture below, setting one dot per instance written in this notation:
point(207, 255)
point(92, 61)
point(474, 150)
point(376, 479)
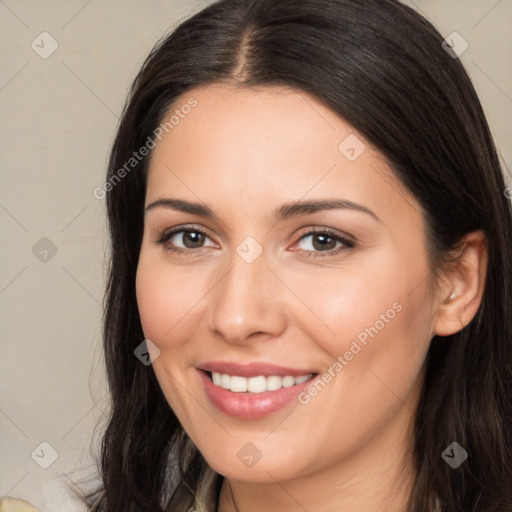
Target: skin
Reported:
point(245, 152)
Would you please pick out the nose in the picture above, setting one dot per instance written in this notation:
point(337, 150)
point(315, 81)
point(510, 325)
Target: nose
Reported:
point(248, 301)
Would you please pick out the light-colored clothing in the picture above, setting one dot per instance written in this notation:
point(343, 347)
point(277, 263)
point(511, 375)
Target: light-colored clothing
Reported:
point(8, 504)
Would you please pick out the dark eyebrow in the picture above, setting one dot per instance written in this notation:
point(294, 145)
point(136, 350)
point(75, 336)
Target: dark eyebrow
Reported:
point(285, 211)
point(306, 207)
point(182, 206)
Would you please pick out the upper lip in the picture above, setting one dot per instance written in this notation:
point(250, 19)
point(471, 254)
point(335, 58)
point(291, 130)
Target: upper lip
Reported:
point(254, 369)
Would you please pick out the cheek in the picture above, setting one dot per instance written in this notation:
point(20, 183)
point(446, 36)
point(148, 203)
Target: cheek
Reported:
point(375, 329)
point(164, 300)
point(375, 358)
point(150, 295)
point(385, 299)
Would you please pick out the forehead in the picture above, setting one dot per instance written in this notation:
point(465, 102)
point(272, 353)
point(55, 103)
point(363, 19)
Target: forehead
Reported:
point(257, 122)
point(257, 148)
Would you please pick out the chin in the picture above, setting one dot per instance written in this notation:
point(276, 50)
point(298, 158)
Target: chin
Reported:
point(248, 463)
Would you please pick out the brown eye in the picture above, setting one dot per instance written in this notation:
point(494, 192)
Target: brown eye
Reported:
point(183, 240)
point(190, 239)
point(324, 241)
point(321, 242)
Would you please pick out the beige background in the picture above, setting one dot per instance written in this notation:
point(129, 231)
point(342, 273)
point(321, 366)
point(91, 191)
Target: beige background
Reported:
point(58, 118)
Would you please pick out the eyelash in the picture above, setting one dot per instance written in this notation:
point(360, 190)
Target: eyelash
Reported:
point(349, 244)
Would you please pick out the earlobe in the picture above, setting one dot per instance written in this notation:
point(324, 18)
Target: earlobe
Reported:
point(463, 286)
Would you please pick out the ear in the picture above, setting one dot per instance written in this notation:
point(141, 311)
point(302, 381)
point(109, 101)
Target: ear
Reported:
point(462, 288)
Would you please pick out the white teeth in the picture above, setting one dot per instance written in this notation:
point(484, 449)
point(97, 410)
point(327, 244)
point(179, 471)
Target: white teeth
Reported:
point(288, 381)
point(225, 380)
point(304, 378)
point(273, 382)
point(238, 384)
point(258, 384)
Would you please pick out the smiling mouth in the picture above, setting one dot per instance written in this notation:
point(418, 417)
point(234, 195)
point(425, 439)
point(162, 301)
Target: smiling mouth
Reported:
point(258, 384)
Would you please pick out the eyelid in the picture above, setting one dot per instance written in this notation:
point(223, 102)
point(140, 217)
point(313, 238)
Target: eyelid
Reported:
point(169, 233)
point(326, 230)
point(348, 242)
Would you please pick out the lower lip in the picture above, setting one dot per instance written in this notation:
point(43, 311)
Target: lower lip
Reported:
point(250, 406)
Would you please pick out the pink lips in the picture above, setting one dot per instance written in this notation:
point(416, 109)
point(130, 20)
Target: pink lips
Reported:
point(251, 406)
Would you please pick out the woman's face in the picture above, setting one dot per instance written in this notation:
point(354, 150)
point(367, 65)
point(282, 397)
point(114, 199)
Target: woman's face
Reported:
point(265, 292)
